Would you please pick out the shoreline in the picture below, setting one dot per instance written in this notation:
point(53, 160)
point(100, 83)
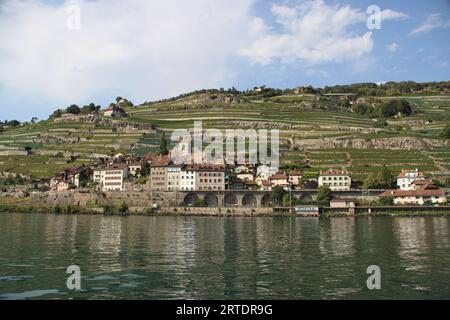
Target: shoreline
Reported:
point(214, 212)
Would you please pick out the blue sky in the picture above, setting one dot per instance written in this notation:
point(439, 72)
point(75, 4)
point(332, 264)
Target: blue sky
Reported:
point(55, 53)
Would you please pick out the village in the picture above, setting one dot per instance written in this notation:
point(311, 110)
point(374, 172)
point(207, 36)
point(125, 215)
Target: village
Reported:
point(155, 173)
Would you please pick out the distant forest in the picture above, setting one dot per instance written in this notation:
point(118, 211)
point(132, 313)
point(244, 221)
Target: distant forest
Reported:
point(390, 88)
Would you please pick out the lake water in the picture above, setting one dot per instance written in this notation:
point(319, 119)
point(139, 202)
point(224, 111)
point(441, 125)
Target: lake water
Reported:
point(223, 258)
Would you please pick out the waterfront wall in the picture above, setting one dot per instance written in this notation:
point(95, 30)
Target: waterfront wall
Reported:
point(197, 211)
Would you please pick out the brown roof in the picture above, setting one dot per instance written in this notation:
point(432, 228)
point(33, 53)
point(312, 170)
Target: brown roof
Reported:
point(115, 166)
point(205, 167)
point(161, 161)
point(278, 176)
point(413, 193)
point(294, 173)
point(334, 172)
point(421, 182)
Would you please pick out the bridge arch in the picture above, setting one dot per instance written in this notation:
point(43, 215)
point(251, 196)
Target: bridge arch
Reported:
point(265, 200)
point(211, 200)
point(249, 200)
point(190, 199)
point(230, 200)
point(305, 198)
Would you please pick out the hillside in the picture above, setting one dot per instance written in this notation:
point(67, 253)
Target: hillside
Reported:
point(318, 131)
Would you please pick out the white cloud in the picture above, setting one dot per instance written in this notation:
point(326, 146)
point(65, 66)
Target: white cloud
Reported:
point(389, 14)
point(313, 32)
point(433, 21)
point(392, 47)
point(136, 48)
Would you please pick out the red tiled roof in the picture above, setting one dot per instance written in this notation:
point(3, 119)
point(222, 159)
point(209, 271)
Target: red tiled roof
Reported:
point(334, 173)
point(116, 166)
point(419, 182)
point(161, 161)
point(278, 176)
point(413, 193)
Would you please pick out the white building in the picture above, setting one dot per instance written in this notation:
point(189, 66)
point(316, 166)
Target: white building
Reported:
point(428, 194)
point(335, 180)
point(135, 169)
point(111, 178)
point(406, 178)
point(173, 177)
point(264, 172)
point(187, 181)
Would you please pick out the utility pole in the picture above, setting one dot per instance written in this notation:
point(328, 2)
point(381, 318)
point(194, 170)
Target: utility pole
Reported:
point(290, 197)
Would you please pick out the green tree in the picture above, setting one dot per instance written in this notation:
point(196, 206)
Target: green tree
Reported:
point(386, 201)
point(163, 145)
point(123, 208)
point(145, 171)
point(286, 199)
point(199, 203)
point(446, 132)
point(392, 107)
point(56, 114)
point(324, 194)
point(73, 109)
point(277, 194)
point(362, 108)
point(13, 123)
point(387, 177)
point(378, 179)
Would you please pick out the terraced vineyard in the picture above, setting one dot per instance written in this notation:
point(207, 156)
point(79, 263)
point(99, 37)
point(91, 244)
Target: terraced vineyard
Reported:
point(313, 137)
point(56, 146)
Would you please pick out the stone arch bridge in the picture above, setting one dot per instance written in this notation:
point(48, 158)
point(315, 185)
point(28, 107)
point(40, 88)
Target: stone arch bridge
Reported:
point(249, 198)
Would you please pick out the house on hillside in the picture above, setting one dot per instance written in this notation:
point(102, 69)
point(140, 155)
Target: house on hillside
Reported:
point(112, 177)
point(336, 180)
point(428, 193)
point(158, 172)
point(407, 177)
point(279, 179)
point(74, 177)
point(294, 178)
point(264, 172)
point(114, 111)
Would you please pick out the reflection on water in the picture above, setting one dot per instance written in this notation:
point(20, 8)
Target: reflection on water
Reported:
point(222, 258)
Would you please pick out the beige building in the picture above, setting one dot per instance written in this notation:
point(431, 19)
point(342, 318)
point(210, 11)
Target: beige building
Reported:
point(279, 179)
point(158, 173)
point(335, 180)
point(174, 177)
point(208, 177)
point(111, 178)
point(295, 178)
